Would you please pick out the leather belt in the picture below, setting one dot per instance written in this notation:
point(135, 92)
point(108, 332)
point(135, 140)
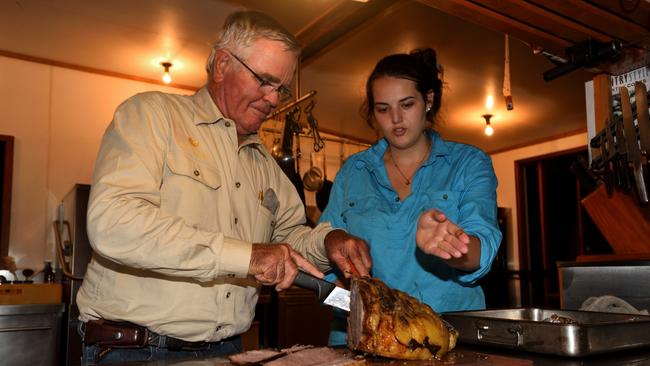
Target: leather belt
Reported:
point(110, 334)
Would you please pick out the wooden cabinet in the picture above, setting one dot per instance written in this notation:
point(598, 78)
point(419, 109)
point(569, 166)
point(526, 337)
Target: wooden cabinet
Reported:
point(292, 317)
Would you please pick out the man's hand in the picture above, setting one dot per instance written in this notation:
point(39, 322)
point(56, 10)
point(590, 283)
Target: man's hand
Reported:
point(349, 253)
point(438, 236)
point(278, 264)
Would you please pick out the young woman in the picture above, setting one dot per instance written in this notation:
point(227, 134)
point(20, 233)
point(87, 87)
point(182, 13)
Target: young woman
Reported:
point(426, 206)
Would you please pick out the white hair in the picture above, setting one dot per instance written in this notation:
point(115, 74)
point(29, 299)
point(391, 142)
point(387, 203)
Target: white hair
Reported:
point(242, 28)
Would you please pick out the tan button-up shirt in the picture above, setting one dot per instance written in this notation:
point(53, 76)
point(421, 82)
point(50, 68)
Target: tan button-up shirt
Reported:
point(175, 206)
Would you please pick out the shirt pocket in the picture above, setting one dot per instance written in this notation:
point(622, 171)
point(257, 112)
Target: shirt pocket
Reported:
point(445, 201)
point(190, 190)
point(181, 163)
point(359, 212)
point(264, 225)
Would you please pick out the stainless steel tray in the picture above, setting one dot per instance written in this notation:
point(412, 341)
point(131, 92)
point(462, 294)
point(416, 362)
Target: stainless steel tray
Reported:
point(529, 329)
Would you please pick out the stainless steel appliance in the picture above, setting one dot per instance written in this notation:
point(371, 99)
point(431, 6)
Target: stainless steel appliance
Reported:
point(29, 334)
point(627, 280)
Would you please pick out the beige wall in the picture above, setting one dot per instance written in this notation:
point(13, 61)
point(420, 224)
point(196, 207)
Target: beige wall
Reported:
point(504, 167)
point(57, 117)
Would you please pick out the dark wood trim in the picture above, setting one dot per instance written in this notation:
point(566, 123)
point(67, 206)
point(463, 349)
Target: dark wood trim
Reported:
point(552, 154)
point(91, 70)
point(522, 232)
point(543, 224)
point(505, 23)
point(522, 228)
point(7, 173)
point(523, 225)
point(338, 22)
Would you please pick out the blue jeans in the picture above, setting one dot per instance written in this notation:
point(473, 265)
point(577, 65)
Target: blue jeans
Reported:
point(154, 353)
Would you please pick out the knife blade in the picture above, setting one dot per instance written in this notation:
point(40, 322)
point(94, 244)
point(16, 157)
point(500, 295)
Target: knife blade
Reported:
point(633, 151)
point(623, 178)
point(643, 119)
point(327, 292)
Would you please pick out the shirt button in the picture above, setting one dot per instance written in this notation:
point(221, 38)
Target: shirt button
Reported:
point(227, 123)
point(197, 173)
point(351, 204)
point(444, 196)
point(236, 221)
point(237, 184)
point(227, 295)
point(396, 199)
point(272, 223)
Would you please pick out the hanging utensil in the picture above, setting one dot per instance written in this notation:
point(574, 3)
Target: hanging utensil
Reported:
point(313, 124)
point(283, 154)
point(323, 194)
point(313, 178)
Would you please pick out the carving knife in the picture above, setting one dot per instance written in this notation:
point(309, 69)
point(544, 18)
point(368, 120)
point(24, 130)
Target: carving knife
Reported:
point(643, 120)
point(633, 152)
point(327, 292)
point(621, 155)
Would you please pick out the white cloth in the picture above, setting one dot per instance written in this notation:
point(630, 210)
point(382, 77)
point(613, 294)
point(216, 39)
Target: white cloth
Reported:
point(610, 304)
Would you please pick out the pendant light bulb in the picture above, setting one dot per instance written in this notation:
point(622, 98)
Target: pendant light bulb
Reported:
point(488, 127)
point(166, 78)
point(489, 130)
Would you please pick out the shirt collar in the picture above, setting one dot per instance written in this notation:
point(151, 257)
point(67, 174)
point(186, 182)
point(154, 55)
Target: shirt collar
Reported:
point(207, 112)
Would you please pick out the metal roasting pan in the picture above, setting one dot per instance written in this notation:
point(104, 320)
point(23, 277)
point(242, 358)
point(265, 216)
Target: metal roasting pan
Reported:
point(528, 329)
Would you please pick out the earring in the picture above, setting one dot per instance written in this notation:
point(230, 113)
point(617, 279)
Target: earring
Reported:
point(428, 108)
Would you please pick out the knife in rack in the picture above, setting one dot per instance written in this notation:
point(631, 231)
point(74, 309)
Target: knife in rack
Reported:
point(327, 292)
point(633, 151)
point(643, 120)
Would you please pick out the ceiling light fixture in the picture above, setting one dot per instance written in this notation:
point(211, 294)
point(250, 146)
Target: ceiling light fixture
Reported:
point(489, 104)
point(166, 78)
point(488, 127)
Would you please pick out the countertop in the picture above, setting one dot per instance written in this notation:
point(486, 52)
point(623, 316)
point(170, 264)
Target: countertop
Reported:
point(474, 356)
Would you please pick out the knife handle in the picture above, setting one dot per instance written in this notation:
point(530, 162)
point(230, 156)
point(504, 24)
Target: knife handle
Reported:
point(309, 282)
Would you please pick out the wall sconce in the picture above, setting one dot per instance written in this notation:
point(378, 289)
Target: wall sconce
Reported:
point(488, 127)
point(166, 78)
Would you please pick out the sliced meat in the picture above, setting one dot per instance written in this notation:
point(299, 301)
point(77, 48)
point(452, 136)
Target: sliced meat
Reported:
point(390, 323)
point(254, 357)
point(296, 348)
point(319, 356)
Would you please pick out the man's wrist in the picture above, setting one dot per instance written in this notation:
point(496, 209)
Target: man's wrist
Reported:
point(334, 232)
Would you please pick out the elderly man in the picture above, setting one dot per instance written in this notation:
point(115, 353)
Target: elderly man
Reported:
point(189, 214)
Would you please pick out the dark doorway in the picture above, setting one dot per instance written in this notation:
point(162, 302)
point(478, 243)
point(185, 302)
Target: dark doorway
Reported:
point(552, 224)
point(6, 178)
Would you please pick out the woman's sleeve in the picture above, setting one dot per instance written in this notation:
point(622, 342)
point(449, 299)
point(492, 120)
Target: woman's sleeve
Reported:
point(478, 209)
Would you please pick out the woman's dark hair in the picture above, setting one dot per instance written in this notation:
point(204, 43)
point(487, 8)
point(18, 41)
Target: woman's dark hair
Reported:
point(420, 66)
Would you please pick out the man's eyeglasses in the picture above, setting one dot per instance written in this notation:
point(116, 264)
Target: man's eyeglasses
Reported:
point(266, 86)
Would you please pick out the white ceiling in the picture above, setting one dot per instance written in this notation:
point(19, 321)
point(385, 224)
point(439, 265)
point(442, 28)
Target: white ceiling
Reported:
point(131, 37)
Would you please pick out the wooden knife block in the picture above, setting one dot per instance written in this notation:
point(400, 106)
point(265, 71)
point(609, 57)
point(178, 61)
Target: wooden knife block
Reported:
point(621, 219)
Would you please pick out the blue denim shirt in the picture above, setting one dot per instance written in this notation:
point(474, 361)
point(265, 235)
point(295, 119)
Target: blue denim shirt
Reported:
point(457, 179)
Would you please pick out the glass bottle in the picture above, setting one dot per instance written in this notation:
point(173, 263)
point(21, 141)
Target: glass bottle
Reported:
point(48, 273)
